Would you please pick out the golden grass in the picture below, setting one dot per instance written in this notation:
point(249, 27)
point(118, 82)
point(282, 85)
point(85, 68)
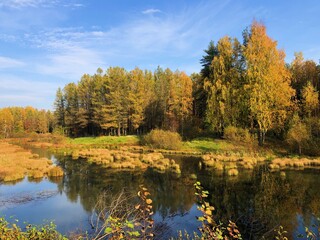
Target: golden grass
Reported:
point(231, 161)
point(295, 163)
point(233, 172)
point(122, 159)
point(16, 163)
point(55, 171)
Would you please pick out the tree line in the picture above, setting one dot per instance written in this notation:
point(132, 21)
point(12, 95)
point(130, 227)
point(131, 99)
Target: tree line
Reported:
point(19, 120)
point(246, 85)
point(119, 102)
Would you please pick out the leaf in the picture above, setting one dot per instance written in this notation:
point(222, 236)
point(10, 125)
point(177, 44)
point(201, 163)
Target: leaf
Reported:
point(108, 230)
point(137, 206)
point(130, 225)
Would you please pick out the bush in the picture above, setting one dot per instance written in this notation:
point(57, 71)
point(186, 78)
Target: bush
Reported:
point(232, 133)
point(163, 139)
point(12, 231)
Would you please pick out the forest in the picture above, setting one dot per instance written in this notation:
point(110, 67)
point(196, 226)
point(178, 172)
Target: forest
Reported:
point(242, 88)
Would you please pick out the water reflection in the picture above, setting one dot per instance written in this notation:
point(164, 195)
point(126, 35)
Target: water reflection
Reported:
point(257, 200)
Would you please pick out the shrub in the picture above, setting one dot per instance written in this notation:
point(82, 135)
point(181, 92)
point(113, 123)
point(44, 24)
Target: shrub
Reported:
point(12, 231)
point(298, 134)
point(237, 134)
point(163, 139)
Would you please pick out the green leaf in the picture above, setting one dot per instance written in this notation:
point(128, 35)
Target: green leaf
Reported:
point(108, 230)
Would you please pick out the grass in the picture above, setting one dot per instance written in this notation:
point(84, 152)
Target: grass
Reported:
point(16, 163)
point(124, 140)
point(122, 159)
point(210, 145)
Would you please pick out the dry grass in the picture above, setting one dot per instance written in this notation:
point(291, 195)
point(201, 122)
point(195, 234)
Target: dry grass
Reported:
point(231, 161)
point(296, 163)
point(122, 159)
point(55, 171)
point(16, 163)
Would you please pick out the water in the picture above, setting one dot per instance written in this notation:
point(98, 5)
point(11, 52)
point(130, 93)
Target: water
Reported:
point(257, 200)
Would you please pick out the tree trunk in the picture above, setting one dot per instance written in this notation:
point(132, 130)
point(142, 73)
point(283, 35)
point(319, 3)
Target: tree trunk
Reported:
point(300, 150)
point(119, 131)
point(261, 137)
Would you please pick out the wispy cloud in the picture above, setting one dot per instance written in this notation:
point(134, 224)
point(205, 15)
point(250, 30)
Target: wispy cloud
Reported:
point(74, 5)
point(70, 52)
point(19, 4)
point(151, 11)
point(71, 63)
point(17, 91)
point(6, 62)
point(27, 3)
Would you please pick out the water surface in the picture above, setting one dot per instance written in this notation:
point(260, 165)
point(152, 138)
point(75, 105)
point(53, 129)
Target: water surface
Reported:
point(256, 200)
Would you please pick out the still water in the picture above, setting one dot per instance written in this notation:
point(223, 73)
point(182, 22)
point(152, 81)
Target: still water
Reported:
point(257, 200)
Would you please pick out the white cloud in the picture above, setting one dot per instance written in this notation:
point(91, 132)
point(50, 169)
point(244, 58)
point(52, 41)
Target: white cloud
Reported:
point(71, 63)
point(17, 4)
point(151, 11)
point(6, 62)
point(10, 83)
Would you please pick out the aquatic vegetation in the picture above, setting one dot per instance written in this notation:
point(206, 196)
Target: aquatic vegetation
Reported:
point(36, 174)
point(294, 163)
point(55, 171)
point(233, 172)
point(122, 159)
point(16, 163)
point(231, 161)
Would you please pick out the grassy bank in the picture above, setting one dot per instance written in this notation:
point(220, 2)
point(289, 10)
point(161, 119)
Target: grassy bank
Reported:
point(16, 163)
point(113, 140)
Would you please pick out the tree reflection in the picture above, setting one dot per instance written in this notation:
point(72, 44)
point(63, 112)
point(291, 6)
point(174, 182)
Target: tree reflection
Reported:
point(257, 200)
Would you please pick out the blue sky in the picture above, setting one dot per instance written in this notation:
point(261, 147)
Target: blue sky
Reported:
point(45, 44)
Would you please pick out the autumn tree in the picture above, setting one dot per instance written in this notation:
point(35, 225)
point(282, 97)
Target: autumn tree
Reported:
point(6, 122)
point(19, 120)
point(179, 101)
point(140, 95)
point(303, 72)
point(267, 81)
point(71, 108)
point(224, 86)
point(59, 109)
point(162, 88)
point(98, 100)
point(116, 108)
point(310, 100)
point(200, 94)
point(42, 122)
point(86, 87)
point(298, 133)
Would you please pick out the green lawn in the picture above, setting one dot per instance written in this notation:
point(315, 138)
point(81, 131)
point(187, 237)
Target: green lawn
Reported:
point(131, 139)
point(208, 145)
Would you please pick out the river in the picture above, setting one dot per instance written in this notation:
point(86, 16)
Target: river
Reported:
point(257, 200)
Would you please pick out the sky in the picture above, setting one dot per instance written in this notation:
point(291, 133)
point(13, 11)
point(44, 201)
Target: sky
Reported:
point(45, 44)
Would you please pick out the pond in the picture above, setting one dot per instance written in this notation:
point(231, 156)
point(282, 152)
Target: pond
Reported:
point(257, 200)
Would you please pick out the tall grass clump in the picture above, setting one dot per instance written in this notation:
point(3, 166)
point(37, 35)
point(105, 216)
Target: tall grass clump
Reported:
point(163, 139)
point(55, 171)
